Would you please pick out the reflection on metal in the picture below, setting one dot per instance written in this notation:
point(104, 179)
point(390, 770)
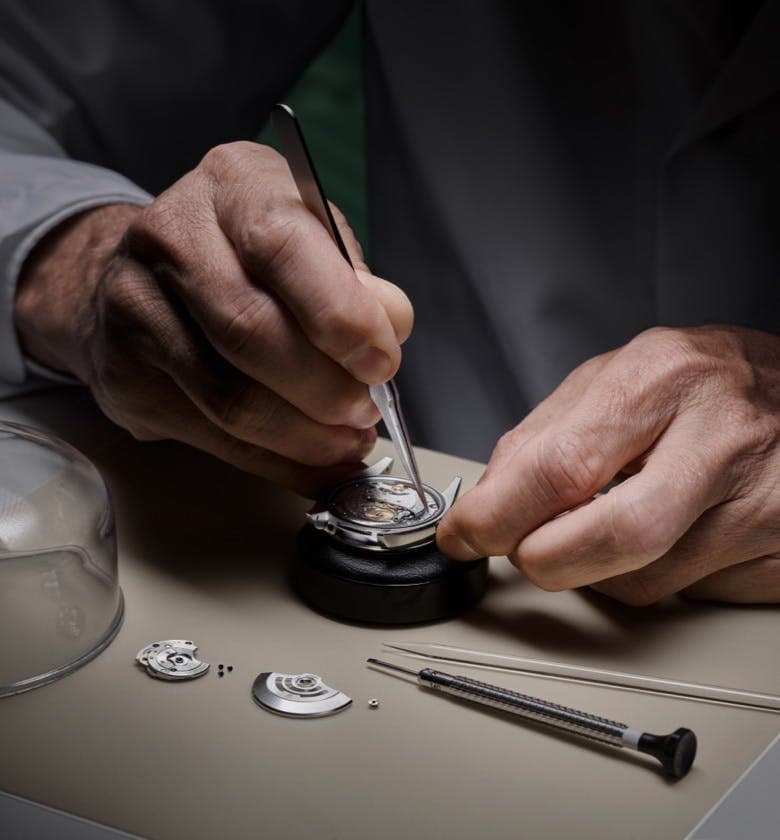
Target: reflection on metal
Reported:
point(380, 512)
point(592, 676)
point(173, 659)
point(298, 695)
point(675, 751)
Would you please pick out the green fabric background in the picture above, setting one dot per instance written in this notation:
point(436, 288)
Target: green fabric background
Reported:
point(328, 101)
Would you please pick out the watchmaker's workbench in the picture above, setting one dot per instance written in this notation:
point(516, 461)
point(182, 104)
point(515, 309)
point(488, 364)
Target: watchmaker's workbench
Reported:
point(203, 553)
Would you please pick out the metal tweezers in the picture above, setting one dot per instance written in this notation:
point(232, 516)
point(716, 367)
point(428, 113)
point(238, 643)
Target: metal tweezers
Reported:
point(385, 397)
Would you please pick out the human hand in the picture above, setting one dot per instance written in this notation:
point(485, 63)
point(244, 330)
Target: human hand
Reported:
point(690, 418)
point(221, 315)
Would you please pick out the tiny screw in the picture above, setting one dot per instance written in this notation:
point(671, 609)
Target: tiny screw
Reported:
point(220, 666)
point(230, 667)
point(373, 703)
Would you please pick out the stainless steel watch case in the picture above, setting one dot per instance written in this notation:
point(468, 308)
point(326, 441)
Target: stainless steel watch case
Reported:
point(329, 514)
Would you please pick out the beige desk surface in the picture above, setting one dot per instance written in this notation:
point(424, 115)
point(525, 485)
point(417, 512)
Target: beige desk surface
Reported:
point(203, 551)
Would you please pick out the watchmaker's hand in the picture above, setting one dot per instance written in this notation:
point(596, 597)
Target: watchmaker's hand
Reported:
point(221, 315)
point(692, 418)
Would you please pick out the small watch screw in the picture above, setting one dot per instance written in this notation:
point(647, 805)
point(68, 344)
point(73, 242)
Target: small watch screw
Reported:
point(373, 703)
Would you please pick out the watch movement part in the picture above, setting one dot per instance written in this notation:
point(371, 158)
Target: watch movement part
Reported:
point(297, 695)
point(172, 659)
point(382, 512)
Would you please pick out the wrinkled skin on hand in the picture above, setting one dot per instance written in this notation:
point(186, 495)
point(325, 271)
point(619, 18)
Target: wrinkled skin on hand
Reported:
point(688, 421)
point(221, 315)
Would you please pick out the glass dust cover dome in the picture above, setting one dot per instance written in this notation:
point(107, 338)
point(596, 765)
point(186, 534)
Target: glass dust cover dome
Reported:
point(60, 602)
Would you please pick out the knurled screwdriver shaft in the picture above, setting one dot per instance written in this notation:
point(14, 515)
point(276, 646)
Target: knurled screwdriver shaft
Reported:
point(675, 751)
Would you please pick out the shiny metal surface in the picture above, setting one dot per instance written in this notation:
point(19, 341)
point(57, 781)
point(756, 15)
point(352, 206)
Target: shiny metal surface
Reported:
point(740, 697)
point(532, 708)
point(385, 396)
point(675, 751)
point(389, 502)
point(298, 695)
point(388, 401)
point(382, 512)
point(173, 659)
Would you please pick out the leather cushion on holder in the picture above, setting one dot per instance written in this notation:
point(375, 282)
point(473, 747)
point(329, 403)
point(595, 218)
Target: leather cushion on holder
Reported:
point(384, 587)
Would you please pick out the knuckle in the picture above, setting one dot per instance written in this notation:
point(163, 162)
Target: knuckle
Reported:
point(250, 457)
point(668, 339)
point(633, 590)
point(568, 467)
point(483, 528)
point(141, 433)
point(121, 296)
point(637, 531)
point(111, 375)
point(749, 429)
point(676, 360)
point(686, 361)
point(133, 316)
point(111, 388)
point(341, 329)
point(156, 224)
point(506, 444)
point(266, 416)
point(326, 452)
point(538, 572)
point(237, 410)
point(336, 410)
point(244, 319)
point(226, 156)
point(270, 241)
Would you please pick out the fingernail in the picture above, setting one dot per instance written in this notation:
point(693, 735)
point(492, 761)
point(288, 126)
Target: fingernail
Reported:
point(456, 548)
point(371, 365)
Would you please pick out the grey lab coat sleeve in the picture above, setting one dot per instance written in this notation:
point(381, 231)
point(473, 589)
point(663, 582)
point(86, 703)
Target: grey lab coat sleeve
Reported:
point(39, 187)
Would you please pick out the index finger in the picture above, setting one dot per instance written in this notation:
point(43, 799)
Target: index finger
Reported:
point(284, 246)
point(549, 473)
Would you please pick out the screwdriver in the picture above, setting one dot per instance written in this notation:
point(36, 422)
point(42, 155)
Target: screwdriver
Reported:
point(675, 751)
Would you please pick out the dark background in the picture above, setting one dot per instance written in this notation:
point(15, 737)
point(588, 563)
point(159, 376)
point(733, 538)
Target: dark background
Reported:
point(328, 100)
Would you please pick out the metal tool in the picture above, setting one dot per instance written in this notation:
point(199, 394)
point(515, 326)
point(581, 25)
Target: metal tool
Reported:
point(385, 397)
point(298, 695)
point(675, 751)
point(591, 676)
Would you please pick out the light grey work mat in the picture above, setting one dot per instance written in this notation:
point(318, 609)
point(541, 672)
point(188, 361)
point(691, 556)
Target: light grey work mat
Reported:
point(750, 810)
point(204, 552)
